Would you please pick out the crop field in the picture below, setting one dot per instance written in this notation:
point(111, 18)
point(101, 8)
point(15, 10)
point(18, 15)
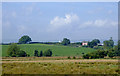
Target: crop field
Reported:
point(58, 50)
point(62, 66)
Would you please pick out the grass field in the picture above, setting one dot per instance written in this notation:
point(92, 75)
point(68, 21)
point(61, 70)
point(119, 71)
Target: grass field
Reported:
point(51, 66)
point(57, 50)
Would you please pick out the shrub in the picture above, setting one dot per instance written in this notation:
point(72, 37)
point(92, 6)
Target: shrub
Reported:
point(96, 54)
point(36, 53)
point(13, 50)
point(22, 54)
point(41, 53)
point(74, 57)
point(111, 54)
point(69, 57)
point(48, 53)
point(86, 56)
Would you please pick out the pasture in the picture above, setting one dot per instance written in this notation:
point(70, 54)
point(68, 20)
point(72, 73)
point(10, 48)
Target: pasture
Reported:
point(62, 66)
point(57, 50)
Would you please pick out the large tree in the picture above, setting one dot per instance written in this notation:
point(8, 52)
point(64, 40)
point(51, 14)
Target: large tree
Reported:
point(14, 51)
point(93, 43)
point(65, 41)
point(24, 39)
point(108, 44)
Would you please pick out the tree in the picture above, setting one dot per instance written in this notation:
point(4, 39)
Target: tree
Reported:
point(41, 53)
point(86, 56)
point(13, 50)
point(93, 43)
point(95, 54)
point(24, 39)
point(36, 53)
point(22, 54)
point(108, 44)
point(111, 53)
point(65, 41)
point(48, 53)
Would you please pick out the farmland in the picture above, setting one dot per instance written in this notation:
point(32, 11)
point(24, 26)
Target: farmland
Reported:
point(58, 50)
point(51, 65)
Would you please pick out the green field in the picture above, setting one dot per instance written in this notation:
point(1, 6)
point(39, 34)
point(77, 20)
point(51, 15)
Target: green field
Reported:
point(58, 50)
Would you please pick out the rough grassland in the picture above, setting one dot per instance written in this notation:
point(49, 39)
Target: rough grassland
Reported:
point(61, 68)
point(56, 49)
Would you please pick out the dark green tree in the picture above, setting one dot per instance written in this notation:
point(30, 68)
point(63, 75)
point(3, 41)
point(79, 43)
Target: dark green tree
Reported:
point(93, 43)
point(22, 54)
point(24, 39)
point(36, 53)
point(108, 44)
point(65, 41)
point(41, 53)
point(48, 53)
point(111, 53)
point(13, 50)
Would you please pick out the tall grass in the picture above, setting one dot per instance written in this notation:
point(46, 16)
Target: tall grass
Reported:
point(61, 68)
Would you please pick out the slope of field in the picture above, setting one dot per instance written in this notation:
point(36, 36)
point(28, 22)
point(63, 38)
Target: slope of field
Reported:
point(56, 49)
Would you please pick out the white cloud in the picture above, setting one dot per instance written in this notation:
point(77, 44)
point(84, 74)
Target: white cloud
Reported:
point(59, 22)
point(72, 21)
point(99, 23)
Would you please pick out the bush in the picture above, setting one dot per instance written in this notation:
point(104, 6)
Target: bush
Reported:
point(13, 50)
point(111, 54)
point(69, 57)
point(48, 53)
point(22, 54)
point(74, 57)
point(36, 53)
point(41, 53)
point(95, 55)
point(86, 56)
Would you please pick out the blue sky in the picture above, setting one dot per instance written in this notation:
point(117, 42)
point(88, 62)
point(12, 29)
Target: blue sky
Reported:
point(53, 21)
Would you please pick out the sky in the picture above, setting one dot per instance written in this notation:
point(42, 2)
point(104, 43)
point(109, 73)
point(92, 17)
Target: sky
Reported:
point(53, 21)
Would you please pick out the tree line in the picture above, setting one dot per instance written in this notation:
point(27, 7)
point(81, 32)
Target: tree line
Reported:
point(92, 44)
point(109, 50)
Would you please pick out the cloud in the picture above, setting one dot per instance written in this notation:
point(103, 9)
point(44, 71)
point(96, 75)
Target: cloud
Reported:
point(59, 22)
point(72, 21)
point(99, 23)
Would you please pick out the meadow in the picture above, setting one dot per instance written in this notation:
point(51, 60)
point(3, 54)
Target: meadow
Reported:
point(57, 50)
point(71, 66)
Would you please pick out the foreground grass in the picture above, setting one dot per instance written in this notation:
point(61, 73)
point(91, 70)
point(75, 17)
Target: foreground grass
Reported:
point(57, 50)
point(64, 67)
